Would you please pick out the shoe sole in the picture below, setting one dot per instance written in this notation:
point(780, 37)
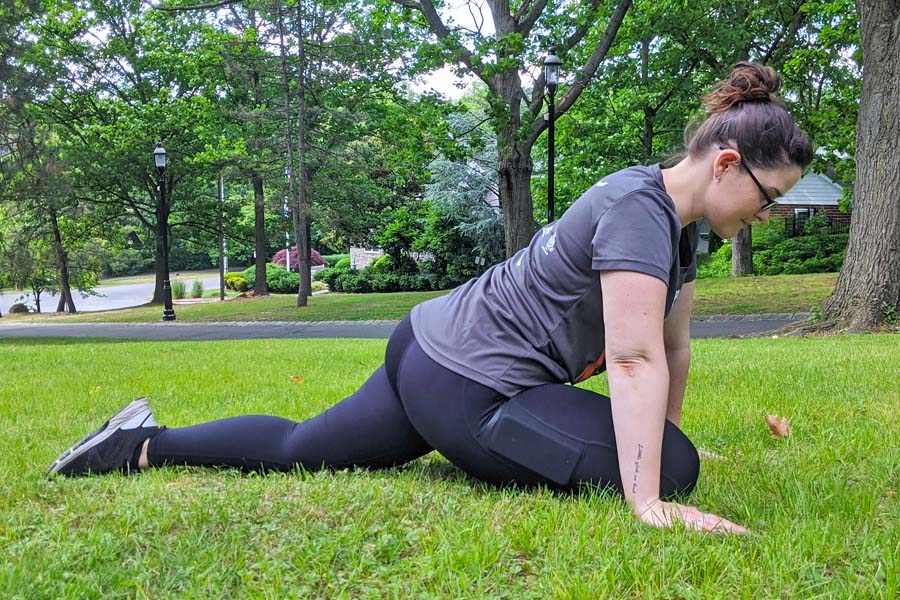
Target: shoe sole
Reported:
point(130, 417)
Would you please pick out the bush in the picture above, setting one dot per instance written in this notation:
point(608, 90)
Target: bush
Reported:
point(717, 264)
point(278, 279)
point(236, 282)
point(344, 263)
point(280, 259)
point(332, 259)
point(197, 289)
point(179, 289)
point(804, 254)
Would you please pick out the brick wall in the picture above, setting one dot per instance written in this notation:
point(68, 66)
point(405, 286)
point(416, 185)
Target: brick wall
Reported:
point(832, 213)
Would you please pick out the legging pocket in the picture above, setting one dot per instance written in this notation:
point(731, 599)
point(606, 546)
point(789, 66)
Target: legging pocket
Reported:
point(519, 436)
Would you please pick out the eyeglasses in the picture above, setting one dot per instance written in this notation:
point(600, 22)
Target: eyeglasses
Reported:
point(769, 203)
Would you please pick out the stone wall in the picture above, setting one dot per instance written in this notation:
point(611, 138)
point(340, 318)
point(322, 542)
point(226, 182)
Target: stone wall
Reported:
point(360, 258)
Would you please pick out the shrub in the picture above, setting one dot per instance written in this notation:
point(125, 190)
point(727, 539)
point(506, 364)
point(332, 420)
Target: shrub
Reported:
point(717, 264)
point(279, 259)
point(804, 254)
point(236, 282)
point(332, 259)
point(179, 289)
point(197, 289)
point(278, 279)
point(344, 263)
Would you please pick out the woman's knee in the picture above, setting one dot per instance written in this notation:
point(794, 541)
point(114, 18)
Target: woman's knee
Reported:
point(680, 463)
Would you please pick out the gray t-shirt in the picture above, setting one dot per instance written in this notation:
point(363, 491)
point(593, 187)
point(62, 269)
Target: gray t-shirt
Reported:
point(538, 317)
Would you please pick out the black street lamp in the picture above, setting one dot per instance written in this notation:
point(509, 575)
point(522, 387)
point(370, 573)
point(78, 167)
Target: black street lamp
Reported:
point(551, 78)
point(159, 157)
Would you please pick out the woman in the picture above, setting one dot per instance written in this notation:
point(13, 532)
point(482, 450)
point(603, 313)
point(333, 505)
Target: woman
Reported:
point(480, 374)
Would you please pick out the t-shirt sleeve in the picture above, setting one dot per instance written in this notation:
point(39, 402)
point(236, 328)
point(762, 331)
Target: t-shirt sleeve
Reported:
point(635, 234)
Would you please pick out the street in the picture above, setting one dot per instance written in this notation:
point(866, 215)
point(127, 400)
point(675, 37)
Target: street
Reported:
point(107, 298)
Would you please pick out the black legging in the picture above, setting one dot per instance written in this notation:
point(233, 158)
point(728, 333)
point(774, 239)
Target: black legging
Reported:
point(553, 434)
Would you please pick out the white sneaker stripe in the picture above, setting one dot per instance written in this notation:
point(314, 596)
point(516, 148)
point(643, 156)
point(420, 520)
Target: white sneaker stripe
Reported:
point(135, 421)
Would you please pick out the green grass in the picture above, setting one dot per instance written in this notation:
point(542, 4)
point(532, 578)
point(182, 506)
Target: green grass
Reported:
point(277, 307)
point(823, 506)
point(151, 277)
point(777, 294)
point(772, 294)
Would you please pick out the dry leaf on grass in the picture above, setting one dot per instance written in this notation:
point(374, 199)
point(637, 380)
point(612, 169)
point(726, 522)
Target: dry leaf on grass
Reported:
point(297, 379)
point(707, 454)
point(779, 426)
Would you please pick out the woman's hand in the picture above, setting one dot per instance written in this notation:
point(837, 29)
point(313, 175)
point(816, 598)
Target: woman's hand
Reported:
point(667, 514)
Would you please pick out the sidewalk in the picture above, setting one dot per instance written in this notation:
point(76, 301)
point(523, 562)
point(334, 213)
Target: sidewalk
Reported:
point(701, 327)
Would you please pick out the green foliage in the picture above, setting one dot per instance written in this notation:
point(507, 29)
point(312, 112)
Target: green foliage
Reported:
point(278, 279)
point(378, 277)
point(803, 254)
point(717, 264)
point(236, 282)
point(179, 289)
point(332, 259)
point(343, 263)
point(817, 251)
point(891, 315)
point(197, 289)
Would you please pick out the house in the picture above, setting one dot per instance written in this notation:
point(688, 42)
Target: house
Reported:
point(815, 193)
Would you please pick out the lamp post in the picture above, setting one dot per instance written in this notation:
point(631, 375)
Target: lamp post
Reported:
point(551, 78)
point(159, 158)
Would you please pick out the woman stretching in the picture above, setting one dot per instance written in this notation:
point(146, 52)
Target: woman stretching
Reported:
point(481, 374)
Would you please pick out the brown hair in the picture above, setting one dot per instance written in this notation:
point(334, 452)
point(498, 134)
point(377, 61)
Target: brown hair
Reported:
point(743, 113)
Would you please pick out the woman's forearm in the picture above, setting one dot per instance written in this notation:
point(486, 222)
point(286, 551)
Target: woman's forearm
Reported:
point(638, 389)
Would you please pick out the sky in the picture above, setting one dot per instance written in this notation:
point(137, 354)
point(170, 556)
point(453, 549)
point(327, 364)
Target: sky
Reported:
point(460, 13)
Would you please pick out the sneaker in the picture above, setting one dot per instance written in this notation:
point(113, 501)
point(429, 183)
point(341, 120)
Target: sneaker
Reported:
point(112, 447)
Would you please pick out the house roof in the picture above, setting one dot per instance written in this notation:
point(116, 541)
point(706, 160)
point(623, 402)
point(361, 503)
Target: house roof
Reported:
point(814, 189)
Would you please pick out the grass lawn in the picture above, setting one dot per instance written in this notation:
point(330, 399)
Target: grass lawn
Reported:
point(151, 277)
point(778, 294)
point(823, 505)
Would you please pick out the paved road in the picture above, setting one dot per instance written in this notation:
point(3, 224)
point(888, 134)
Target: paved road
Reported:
point(109, 297)
point(700, 328)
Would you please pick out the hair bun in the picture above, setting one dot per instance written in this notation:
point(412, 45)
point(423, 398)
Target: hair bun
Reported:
point(748, 82)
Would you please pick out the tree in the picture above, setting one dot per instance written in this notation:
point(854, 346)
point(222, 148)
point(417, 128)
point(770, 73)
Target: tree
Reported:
point(868, 288)
point(499, 59)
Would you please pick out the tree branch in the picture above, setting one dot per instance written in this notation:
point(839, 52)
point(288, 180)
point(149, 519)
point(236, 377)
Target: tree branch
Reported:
point(220, 4)
point(587, 71)
point(426, 7)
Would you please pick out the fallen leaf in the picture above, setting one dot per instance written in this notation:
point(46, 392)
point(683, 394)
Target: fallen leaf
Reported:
point(297, 379)
point(96, 390)
point(709, 455)
point(779, 426)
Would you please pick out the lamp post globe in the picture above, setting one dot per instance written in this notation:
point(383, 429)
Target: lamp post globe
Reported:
point(159, 159)
point(551, 80)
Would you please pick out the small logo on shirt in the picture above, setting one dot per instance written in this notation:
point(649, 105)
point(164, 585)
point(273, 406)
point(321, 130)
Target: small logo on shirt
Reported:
point(550, 245)
point(602, 183)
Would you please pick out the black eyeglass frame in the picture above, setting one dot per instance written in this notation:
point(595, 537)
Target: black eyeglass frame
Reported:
point(770, 202)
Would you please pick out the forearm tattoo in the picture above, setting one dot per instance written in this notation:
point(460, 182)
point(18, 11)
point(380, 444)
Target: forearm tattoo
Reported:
point(637, 469)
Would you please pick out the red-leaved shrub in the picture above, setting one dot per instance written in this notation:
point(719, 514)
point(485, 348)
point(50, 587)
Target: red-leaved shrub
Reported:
point(315, 259)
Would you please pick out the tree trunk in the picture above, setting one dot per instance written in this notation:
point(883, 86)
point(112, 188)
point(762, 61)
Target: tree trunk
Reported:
point(868, 288)
point(514, 170)
point(260, 287)
point(303, 245)
point(742, 253)
point(62, 257)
